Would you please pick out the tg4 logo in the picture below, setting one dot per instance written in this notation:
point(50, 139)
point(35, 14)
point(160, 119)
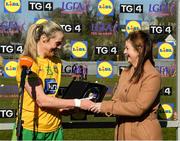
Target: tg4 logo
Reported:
point(166, 91)
point(106, 50)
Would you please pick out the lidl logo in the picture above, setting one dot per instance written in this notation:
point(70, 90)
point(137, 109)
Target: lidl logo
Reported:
point(79, 49)
point(165, 51)
point(10, 68)
point(104, 69)
point(105, 7)
point(165, 111)
point(12, 6)
point(132, 25)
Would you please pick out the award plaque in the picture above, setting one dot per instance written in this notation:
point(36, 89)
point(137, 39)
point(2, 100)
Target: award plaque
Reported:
point(81, 89)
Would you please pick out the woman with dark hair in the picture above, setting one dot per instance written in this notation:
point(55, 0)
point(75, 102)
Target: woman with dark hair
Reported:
point(136, 99)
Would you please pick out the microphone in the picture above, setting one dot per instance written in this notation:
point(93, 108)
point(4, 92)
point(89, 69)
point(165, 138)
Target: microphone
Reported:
point(25, 63)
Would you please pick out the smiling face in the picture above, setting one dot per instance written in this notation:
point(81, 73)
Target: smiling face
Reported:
point(48, 47)
point(54, 43)
point(131, 53)
point(138, 50)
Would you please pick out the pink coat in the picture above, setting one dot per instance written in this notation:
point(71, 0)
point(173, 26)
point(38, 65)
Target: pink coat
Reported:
point(136, 106)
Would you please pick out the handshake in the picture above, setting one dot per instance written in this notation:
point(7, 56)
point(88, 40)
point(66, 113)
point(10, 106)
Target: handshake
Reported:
point(87, 104)
point(84, 104)
point(89, 94)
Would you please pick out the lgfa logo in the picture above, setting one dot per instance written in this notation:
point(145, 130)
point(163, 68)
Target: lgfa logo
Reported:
point(79, 49)
point(166, 111)
point(12, 6)
point(75, 7)
point(104, 69)
point(164, 9)
point(132, 25)
point(105, 7)
point(10, 68)
point(165, 51)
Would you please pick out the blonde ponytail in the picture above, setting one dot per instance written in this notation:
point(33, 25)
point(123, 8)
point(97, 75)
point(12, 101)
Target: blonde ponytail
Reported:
point(30, 47)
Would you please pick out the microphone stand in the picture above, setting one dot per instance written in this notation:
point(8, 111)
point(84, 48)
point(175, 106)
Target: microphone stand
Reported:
point(19, 128)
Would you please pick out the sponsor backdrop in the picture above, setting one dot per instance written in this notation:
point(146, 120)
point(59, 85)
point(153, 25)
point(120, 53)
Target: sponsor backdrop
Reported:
point(94, 33)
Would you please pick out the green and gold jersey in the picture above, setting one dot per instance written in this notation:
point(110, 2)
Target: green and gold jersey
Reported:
point(49, 72)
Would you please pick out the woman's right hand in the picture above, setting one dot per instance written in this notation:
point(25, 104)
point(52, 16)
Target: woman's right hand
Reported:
point(96, 108)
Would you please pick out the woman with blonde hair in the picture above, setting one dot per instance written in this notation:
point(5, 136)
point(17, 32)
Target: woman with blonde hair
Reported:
point(41, 108)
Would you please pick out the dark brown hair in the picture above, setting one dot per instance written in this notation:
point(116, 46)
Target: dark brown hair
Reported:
point(142, 43)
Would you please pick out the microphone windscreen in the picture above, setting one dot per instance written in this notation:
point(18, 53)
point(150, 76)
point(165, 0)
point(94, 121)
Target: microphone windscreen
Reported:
point(26, 61)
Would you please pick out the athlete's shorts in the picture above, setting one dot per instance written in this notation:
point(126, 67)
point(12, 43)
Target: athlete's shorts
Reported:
point(30, 135)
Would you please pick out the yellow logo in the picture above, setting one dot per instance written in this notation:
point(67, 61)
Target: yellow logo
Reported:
point(132, 26)
point(12, 6)
point(79, 49)
point(10, 68)
point(105, 69)
point(166, 50)
point(165, 111)
point(105, 7)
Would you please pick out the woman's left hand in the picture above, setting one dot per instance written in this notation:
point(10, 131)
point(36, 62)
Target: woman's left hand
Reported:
point(66, 111)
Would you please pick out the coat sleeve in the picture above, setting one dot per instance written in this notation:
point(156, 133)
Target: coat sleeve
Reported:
point(148, 93)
